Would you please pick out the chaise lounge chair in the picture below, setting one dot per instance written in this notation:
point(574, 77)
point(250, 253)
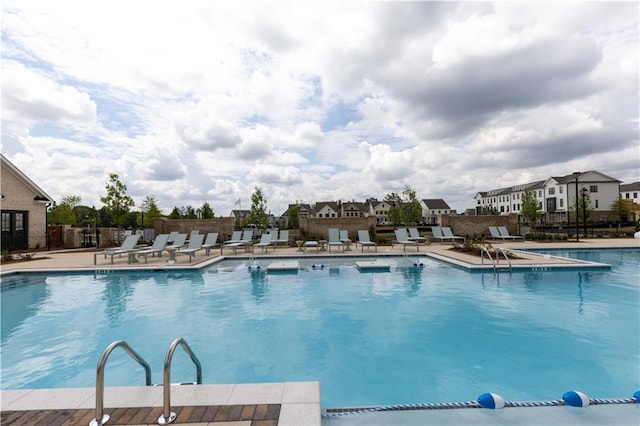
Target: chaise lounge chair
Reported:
point(158, 246)
point(283, 238)
point(437, 234)
point(265, 242)
point(403, 238)
point(414, 235)
point(495, 234)
point(448, 233)
point(178, 242)
point(334, 239)
point(245, 241)
point(195, 245)
point(365, 240)
point(127, 246)
point(210, 242)
point(504, 233)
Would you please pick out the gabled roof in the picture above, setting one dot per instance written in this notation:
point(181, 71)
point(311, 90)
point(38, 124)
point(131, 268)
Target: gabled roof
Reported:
point(635, 186)
point(436, 204)
point(40, 194)
point(331, 204)
point(363, 207)
point(588, 176)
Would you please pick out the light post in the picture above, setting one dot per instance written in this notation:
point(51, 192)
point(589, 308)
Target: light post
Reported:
point(577, 174)
point(584, 210)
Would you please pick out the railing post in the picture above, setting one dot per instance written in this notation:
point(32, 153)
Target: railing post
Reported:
point(167, 416)
point(102, 418)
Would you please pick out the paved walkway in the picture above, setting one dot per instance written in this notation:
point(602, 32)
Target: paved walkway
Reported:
point(83, 259)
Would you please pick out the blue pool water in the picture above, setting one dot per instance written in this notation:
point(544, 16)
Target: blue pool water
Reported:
point(431, 334)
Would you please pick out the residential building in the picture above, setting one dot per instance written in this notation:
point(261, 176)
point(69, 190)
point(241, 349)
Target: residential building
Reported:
point(555, 195)
point(23, 209)
point(355, 209)
point(631, 192)
point(327, 209)
point(380, 210)
point(432, 208)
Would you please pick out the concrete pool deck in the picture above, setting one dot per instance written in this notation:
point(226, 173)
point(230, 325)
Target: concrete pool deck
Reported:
point(300, 402)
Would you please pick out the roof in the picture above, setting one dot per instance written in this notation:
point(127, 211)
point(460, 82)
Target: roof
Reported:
point(635, 186)
point(41, 195)
point(436, 203)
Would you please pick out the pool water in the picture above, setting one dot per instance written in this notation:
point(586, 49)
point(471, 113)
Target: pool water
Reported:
point(434, 333)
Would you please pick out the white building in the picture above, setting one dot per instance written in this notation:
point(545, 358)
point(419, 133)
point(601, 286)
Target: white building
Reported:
point(432, 208)
point(630, 192)
point(556, 196)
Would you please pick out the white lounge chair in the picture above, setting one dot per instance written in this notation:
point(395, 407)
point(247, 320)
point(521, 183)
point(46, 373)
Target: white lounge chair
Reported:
point(414, 235)
point(236, 237)
point(403, 238)
point(178, 242)
point(195, 245)
point(495, 234)
point(283, 238)
point(334, 239)
point(128, 245)
point(245, 241)
point(504, 233)
point(264, 243)
point(210, 242)
point(158, 246)
point(437, 234)
point(365, 240)
point(448, 233)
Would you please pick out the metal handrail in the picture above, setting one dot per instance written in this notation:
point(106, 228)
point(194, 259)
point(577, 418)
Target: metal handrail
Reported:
point(504, 253)
point(167, 416)
point(104, 418)
point(484, 250)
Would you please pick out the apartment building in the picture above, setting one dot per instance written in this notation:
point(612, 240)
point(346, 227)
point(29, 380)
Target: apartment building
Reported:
point(556, 196)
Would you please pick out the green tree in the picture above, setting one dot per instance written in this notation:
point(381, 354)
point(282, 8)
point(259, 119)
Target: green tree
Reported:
point(63, 213)
point(117, 202)
point(488, 210)
point(258, 213)
point(530, 207)
point(411, 210)
point(584, 206)
point(622, 207)
point(175, 213)
point(395, 211)
point(294, 219)
point(189, 212)
point(206, 211)
point(149, 209)
point(85, 216)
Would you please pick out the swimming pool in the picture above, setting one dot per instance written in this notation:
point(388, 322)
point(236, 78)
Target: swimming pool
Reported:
point(430, 334)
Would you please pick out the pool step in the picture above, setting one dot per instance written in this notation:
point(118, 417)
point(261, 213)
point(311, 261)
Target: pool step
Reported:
point(283, 266)
point(373, 266)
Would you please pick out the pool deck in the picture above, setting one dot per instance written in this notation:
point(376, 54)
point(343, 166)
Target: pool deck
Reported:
point(298, 403)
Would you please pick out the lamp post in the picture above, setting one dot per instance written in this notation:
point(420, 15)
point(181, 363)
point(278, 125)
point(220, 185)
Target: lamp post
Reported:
point(584, 192)
point(577, 174)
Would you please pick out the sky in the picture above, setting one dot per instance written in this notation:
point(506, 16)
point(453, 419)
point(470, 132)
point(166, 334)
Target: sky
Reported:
point(200, 101)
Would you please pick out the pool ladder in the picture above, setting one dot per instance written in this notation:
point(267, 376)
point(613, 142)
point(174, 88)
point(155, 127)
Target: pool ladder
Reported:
point(167, 416)
point(496, 262)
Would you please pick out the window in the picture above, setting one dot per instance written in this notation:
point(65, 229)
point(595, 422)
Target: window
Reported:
point(552, 191)
point(19, 222)
point(559, 190)
point(627, 195)
point(635, 195)
point(540, 193)
point(561, 202)
point(596, 204)
point(6, 222)
point(593, 188)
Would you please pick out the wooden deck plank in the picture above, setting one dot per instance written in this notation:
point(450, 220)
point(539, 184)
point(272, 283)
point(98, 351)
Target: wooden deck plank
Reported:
point(259, 415)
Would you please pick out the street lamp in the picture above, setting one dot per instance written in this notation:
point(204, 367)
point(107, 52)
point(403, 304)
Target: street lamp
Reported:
point(584, 210)
point(577, 174)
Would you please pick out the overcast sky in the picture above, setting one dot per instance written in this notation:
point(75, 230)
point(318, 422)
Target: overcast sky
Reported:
point(194, 101)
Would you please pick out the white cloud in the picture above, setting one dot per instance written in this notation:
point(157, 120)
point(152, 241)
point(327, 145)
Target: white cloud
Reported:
point(316, 100)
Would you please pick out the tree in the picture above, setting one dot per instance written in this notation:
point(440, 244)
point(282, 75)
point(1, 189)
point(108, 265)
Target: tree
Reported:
point(395, 212)
point(488, 210)
point(411, 210)
point(622, 207)
point(117, 202)
point(63, 213)
point(258, 213)
point(206, 211)
point(175, 213)
point(149, 209)
point(294, 219)
point(584, 206)
point(189, 212)
point(530, 207)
